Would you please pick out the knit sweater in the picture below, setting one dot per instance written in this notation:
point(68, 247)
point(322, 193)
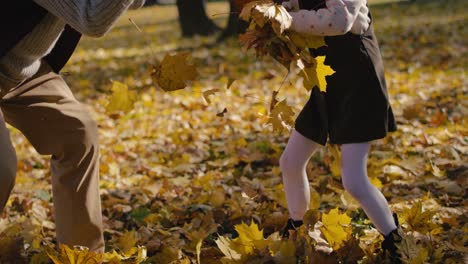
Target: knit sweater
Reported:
point(90, 17)
point(338, 18)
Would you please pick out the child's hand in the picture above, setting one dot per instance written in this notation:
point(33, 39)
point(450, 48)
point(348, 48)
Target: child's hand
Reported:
point(362, 21)
point(292, 5)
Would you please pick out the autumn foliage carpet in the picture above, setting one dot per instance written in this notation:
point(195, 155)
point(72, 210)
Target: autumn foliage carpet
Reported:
point(187, 180)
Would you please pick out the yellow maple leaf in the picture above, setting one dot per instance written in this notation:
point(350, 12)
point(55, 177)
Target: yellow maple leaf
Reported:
point(70, 254)
point(127, 243)
point(336, 228)
point(281, 117)
point(174, 71)
point(249, 233)
point(138, 256)
point(249, 238)
point(75, 255)
point(112, 257)
point(122, 99)
point(419, 220)
point(314, 76)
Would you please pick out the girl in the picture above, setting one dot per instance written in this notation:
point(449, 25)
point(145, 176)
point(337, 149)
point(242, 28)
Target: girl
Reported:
point(354, 111)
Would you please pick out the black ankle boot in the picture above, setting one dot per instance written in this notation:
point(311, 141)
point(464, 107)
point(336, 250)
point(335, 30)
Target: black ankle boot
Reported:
point(290, 225)
point(389, 244)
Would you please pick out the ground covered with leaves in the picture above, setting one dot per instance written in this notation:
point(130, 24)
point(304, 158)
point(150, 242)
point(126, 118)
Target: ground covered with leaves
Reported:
point(191, 176)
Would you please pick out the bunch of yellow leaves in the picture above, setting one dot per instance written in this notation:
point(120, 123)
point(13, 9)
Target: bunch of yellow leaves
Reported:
point(268, 34)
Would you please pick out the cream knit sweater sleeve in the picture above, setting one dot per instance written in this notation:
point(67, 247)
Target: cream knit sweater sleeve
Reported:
point(338, 18)
point(90, 17)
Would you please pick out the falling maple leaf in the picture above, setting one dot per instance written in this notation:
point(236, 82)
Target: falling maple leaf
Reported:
point(122, 99)
point(174, 71)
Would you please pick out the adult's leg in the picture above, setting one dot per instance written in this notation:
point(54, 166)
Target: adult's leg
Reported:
point(356, 182)
point(8, 164)
point(56, 124)
point(293, 164)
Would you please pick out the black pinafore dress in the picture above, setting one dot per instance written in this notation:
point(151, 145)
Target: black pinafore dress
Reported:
point(355, 107)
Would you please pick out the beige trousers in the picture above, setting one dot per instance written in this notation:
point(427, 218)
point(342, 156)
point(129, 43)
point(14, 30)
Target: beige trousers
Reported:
point(46, 112)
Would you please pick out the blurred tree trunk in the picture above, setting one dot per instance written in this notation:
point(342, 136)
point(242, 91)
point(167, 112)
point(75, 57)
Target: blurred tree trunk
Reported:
point(235, 26)
point(193, 19)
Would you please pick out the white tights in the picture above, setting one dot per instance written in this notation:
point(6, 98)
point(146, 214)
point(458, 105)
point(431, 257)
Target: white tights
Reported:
point(354, 176)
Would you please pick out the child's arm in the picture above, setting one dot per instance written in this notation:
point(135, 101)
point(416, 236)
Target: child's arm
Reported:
point(338, 18)
point(90, 17)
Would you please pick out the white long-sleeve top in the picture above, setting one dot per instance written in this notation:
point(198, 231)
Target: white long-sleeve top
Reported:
point(337, 18)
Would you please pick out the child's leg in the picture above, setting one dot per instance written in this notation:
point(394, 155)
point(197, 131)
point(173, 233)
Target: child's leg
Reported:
point(293, 166)
point(356, 182)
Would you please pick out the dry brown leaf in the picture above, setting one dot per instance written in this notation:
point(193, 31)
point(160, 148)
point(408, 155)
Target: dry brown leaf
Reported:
point(174, 72)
